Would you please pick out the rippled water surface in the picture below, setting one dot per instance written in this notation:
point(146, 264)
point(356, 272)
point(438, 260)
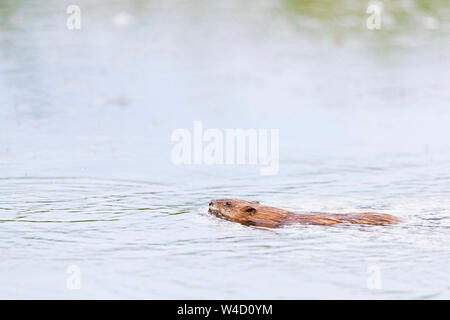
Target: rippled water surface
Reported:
point(86, 177)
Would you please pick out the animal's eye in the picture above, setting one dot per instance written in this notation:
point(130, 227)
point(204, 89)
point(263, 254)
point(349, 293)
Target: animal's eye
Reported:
point(250, 210)
point(228, 204)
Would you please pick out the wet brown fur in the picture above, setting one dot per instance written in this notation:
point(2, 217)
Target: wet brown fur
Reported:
point(254, 214)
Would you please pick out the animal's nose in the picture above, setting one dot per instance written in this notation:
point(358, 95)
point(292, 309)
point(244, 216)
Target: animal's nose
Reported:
point(210, 203)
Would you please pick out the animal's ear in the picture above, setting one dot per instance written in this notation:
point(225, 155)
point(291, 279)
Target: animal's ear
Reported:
point(248, 209)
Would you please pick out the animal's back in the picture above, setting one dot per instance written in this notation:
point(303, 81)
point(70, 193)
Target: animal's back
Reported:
point(368, 218)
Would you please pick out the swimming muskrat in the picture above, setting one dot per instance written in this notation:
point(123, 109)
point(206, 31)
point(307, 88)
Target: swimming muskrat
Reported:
point(251, 213)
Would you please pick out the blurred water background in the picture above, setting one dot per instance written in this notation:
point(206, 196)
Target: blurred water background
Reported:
point(86, 177)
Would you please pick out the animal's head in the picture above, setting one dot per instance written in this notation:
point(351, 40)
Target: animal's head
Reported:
point(248, 212)
point(234, 209)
